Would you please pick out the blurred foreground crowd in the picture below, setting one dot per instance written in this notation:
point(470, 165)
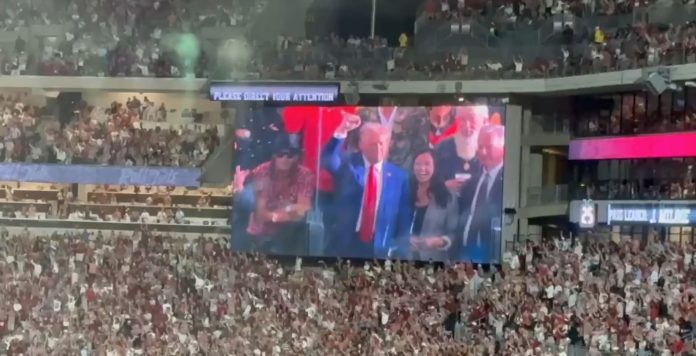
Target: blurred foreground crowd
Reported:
point(109, 293)
point(111, 136)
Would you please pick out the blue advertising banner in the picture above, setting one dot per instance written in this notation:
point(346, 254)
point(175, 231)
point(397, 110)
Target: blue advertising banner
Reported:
point(92, 174)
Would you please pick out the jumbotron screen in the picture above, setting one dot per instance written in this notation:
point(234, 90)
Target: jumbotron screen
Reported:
point(412, 183)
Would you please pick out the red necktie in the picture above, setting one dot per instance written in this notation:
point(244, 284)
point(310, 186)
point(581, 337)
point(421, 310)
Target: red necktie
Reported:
point(369, 210)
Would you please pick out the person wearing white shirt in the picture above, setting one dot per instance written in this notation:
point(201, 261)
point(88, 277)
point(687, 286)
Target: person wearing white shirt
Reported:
point(494, 66)
point(654, 276)
point(688, 258)
point(463, 58)
point(444, 6)
point(550, 292)
point(179, 216)
point(76, 215)
point(61, 156)
point(144, 217)
point(35, 153)
point(572, 299)
point(519, 64)
point(630, 306)
point(162, 216)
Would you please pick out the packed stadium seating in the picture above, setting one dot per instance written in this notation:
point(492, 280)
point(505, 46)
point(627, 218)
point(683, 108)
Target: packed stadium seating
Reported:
point(625, 189)
point(121, 204)
point(146, 293)
point(117, 38)
point(163, 41)
point(132, 133)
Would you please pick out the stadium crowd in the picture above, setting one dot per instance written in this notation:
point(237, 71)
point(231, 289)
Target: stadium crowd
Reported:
point(111, 40)
point(599, 50)
point(113, 135)
point(642, 179)
point(121, 38)
point(528, 10)
point(150, 205)
point(637, 189)
point(109, 293)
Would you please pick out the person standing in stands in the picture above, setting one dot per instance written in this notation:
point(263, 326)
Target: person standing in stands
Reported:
point(576, 343)
point(372, 195)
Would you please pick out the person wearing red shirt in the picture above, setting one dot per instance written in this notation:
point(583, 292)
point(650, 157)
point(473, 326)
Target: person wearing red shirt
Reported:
point(222, 308)
point(678, 346)
point(654, 310)
point(431, 7)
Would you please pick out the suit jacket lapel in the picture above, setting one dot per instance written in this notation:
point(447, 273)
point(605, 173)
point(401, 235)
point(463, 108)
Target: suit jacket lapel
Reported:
point(497, 183)
point(387, 181)
point(496, 189)
point(358, 168)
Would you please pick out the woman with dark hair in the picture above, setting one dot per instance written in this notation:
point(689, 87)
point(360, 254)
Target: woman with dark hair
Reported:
point(436, 213)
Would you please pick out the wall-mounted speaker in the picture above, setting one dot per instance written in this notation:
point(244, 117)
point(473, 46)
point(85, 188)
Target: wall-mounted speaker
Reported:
point(655, 83)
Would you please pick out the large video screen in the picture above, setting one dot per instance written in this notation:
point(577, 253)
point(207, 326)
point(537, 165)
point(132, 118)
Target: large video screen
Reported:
point(415, 183)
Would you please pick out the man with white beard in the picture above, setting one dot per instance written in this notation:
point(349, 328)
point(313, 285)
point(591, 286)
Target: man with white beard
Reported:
point(456, 156)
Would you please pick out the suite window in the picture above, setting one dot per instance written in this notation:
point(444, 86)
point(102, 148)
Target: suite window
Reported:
point(639, 110)
point(619, 233)
point(681, 234)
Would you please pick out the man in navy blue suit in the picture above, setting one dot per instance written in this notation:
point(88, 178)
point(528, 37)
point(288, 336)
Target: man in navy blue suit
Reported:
point(372, 207)
point(481, 201)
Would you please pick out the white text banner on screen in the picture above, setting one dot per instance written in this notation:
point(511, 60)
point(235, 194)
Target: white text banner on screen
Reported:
point(274, 93)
